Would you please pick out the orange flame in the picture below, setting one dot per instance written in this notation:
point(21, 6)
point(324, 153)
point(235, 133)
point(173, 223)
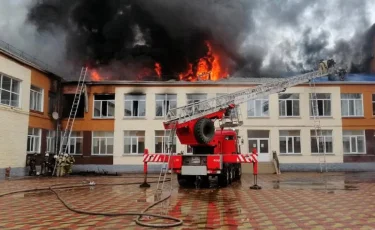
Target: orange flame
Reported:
point(208, 67)
point(95, 76)
point(158, 69)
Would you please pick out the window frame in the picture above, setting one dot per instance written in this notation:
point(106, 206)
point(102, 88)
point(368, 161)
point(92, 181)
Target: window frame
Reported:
point(356, 145)
point(74, 136)
point(11, 92)
point(262, 101)
point(323, 100)
point(131, 137)
point(132, 108)
point(348, 105)
point(33, 137)
point(165, 139)
point(100, 138)
point(164, 102)
point(283, 102)
point(101, 107)
point(373, 104)
point(51, 140)
point(191, 101)
point(293, 143)
point(34, 92)
point(322, 138)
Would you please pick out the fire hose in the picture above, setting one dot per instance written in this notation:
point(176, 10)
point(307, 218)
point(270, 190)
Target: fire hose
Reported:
point(55, 187)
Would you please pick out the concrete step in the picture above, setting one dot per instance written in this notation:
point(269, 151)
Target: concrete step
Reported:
point(263, 168)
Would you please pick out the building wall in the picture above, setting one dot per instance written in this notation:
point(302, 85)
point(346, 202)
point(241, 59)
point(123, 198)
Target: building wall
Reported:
point(14, 121)
point(273, 123)
point(365, 122)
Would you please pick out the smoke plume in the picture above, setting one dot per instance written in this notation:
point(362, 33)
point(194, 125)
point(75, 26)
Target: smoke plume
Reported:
point(123, 38)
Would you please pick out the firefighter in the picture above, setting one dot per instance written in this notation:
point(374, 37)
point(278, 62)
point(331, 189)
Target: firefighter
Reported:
point(69, 164)
point(45, 165)
point(32, 171)
point(61, 164)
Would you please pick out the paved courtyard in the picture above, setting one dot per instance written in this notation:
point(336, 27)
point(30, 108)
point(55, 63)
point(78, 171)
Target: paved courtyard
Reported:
point(286, 201)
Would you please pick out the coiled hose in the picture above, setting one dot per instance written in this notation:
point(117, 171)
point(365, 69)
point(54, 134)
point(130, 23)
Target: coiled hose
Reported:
point(138, 221)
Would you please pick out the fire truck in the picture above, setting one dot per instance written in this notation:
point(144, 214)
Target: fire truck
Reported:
point(216, 149)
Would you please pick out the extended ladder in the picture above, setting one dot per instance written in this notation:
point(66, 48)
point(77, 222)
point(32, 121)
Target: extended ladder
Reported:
point(72, 115)
point(317, 127)
point(165, 165)
point(205, 107)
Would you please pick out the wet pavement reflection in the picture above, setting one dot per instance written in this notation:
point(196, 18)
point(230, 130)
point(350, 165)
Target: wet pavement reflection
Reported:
point(286, 201)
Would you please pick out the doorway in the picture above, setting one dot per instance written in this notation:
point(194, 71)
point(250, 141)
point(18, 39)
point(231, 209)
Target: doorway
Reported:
point(262, 146)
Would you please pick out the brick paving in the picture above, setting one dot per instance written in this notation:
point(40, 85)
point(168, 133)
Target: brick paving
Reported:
point(286, 201)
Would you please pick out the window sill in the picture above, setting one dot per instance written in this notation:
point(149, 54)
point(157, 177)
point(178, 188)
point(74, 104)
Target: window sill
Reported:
point(159, 118)
point(322, 154)
point(321, 117)
point(353, 117)
point(13, 109)
point(354, 154)
point(101, 155)
point(103, 118)
point(290, 117)
point(134, 118)
point(132, 155)
point(290, 154)
point(37, 112)
point(258, 117)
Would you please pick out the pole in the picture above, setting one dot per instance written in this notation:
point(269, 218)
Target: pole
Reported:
point(145, 184)
point(255, 171)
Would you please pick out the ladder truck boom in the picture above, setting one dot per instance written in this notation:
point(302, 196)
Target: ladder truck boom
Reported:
point(205, 107)
point(217, 152)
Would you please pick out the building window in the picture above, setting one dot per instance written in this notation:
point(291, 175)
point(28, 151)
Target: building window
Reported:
point(36, 99)
point(9, 91)
point(354, 141)
point(325, 141)
point(322, 105)
point(289, 105)
point(290, 141)
point(373, 104)
point(351, 105)
point(135, 105)
point(194, 98)
point(75, 143)
point(258, 107)
point(51, 141)
point(134, 142)
point(102, 143)
point(33, 140)
point(104, 106)
point(161, 142)
point(165, 102)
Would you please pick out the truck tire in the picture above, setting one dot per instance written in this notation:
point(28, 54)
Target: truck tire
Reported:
point(204, 130)
point(185, 181)
point(224, 177)
point(238, 172)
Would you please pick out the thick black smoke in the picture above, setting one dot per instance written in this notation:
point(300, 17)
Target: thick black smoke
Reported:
point(258, 38)
point(137, 33)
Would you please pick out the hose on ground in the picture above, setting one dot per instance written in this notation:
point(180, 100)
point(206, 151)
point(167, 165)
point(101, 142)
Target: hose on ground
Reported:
point(53, 188)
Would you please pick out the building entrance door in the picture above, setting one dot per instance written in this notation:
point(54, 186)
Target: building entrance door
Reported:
point(262, 146)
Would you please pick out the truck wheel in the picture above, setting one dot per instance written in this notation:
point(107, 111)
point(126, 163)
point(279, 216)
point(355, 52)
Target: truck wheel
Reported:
point(185, 181)
point(204, 130)
point(224, 178)
point(238, 172)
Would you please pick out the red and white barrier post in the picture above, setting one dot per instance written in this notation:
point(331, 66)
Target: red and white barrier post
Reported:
point(145, 184)
point(255, 171)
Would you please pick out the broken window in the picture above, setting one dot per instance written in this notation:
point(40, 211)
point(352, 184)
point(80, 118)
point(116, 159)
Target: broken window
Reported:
point(68, 103)
point(165, 102)
point(322, 105)
point(104, 106)
point(289, 105)
point(135, 105)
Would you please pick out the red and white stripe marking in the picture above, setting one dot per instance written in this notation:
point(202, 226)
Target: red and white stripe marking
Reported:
point(247, 158)
point(153, 158)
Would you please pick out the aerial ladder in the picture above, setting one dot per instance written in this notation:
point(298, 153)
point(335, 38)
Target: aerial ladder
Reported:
point(65, 138)
point(183, 121)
